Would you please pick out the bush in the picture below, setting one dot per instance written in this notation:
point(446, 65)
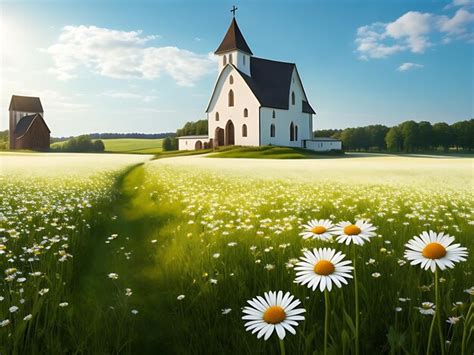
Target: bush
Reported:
point(82, 144)
point(170, 143)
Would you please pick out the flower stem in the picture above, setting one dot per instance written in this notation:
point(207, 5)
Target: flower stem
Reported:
point(467, 323)
point(438, 313)
point(326, 321)
point(356, 300)
point(282, 346)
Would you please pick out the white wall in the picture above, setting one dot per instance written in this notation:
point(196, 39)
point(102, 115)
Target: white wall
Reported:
point(243, 98)
point(284, 118)
point(190, 143)
point(322, 146)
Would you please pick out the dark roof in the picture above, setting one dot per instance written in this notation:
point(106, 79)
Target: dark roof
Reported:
point(270, 82)
point(307, 107)
point(25, 104)
point(233, 39)
point(25, 123)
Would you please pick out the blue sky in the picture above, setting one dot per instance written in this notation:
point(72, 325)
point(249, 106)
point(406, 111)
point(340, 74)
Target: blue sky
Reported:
point(123, 66)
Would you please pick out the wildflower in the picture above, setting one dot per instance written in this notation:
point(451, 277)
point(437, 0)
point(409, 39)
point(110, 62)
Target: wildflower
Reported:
point(63, 304)
point(226, 311)
point(28, 317)
point(180, 297)
point(322, 267)
point(213, 281)
point(322, 229)
point(134, 311)
point(128, 292)
point(269, 267)
point(13, 309)
point(43, 291)
point(398, 309)
point(4, 323)
point(430, 249)
point(273, 312)
point(357, 233)
point(427, 308)
point(216, 255)
point(453, 320)
point(376, 275)
point(113, 276)
point(470, 291)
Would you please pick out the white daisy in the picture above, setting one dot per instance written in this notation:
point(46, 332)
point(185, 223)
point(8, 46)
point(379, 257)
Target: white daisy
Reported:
point(427, 308)
point(357, 233)
point(274, 311)
point(431, 249)
point(322, 229)
point(322, 267)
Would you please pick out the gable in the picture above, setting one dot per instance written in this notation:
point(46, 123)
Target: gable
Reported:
point(239, 85)
point(25, 104)
point(30, 122)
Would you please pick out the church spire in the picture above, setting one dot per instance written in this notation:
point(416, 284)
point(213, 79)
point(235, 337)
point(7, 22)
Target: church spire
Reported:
point(233, 40)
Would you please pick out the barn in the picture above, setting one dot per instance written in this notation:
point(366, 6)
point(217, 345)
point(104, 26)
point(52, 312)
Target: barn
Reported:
point(28, 129)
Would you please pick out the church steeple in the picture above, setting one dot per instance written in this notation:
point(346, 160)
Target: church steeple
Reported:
point(233, 40)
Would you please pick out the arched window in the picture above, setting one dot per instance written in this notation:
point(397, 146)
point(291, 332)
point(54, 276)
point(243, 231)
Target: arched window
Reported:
point(292, 97)
point(230, 59)
point(231, 79)
point(272, 130)
point(296, 133)
point(292, 132)
point(246, 112)
point(231, 98)
point(224, 60)
point(244, 130)
point(273, 114)
point(217, 116)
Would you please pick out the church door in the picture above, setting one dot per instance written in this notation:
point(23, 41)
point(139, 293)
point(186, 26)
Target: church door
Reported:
point(218, 137)
point(229, 133)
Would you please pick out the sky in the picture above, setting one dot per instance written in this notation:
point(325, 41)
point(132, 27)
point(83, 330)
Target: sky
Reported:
point(148, 66)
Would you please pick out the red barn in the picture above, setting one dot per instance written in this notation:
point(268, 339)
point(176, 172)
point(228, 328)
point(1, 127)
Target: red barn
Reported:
point(28, 130)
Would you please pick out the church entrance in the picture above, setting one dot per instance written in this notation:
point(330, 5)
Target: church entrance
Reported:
point(229, 133)
point(218, 137)
point(198, 145)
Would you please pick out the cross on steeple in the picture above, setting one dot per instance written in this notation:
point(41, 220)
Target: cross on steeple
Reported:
point(234, 9)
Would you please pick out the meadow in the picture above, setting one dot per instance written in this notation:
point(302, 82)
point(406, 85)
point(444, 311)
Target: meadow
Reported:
point(165, 254)
point(129, 145)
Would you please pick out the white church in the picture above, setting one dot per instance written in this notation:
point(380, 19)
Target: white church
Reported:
point(256, 102)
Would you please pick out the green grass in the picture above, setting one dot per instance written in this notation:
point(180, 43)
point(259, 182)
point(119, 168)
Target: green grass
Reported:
point(270, 152)
point(220, 232)
point(129, 145)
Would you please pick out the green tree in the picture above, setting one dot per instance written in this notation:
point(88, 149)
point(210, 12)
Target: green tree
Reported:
point(410, 136)
point(425, 134)
point(98, 146)
point(170, 143)
point(376, 135)
point(394, 139)
point(442, 136)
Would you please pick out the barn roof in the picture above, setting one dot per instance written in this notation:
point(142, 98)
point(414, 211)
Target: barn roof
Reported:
point(26, 122)
point(25, 104)
point(270, 82)
point(233, 40)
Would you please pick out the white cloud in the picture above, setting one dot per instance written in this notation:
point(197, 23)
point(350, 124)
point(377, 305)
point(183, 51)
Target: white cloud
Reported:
point(123, 55)
point(409, 66)
point(459, 3)
point(412, 32)
point(128, 95)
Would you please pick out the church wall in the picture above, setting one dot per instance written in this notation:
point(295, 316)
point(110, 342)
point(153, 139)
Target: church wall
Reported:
point(240, 59)
point(243, 98)
point(284, 118)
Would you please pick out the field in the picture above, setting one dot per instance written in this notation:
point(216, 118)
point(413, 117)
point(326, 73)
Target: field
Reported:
point(130, 145)
point(161, 257)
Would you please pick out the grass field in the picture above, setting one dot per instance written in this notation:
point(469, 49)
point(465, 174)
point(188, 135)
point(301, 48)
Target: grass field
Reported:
point(129, 145)
point(161, 257)
point(270, 152)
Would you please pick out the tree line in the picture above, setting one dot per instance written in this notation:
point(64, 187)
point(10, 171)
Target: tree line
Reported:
point(80, 144)
point(408, 136)
point(119, 135)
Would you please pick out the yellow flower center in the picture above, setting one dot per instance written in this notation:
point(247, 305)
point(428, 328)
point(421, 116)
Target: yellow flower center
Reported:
point(274, 315)
point(324, 267)
point(434, 251)
point(352, 230)
point(318, 230)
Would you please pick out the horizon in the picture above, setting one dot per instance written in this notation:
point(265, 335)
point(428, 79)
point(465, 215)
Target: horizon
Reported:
point(150, 69)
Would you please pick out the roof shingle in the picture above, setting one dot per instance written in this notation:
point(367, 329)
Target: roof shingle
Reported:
point(233, 40)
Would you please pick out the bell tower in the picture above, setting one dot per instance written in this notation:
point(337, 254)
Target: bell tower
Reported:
point(234, 49)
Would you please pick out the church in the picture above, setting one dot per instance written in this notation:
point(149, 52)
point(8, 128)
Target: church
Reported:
point(256, 102)
point(27, 130)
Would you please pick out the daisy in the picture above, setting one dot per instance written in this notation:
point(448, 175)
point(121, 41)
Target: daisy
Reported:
point(431, 249)
point(427, 308)
point(357, 233)
point(322, 229)
point(322, 267)
point(273, 312)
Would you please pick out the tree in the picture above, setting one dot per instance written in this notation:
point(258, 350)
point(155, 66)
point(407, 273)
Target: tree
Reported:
point(442, 136)
point(376, 135)
point(394, 139)
point(464, 134)
point(98, 146)
point(410, 135)
point(170, 143)
point(348, 138)
point(425, 134)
